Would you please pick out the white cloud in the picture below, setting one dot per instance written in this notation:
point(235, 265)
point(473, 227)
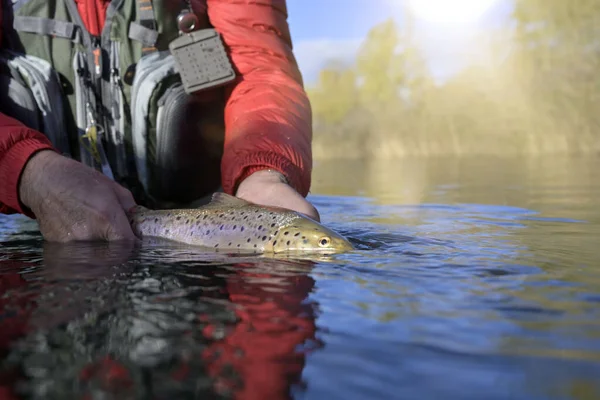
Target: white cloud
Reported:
point(312, 55)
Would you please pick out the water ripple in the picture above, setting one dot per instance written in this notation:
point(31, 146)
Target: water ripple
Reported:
point(481, 290)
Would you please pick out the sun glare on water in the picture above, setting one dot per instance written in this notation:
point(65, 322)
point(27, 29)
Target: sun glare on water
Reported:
point(450, 11)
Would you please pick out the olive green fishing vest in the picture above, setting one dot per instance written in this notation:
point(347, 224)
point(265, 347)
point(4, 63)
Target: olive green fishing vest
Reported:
point(102, 99)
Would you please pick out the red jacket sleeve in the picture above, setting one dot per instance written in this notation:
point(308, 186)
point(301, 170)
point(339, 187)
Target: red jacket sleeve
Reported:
point(17, 144)
point(268, 120)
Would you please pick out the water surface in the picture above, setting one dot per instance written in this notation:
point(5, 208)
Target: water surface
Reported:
point(473, 278)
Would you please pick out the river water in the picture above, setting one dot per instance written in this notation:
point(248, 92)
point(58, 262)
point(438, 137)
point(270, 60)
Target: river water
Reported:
point(473, 278)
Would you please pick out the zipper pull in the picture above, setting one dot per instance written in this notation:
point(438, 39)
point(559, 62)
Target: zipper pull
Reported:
point(114, 73)
point(97, 51)
point(116, 81)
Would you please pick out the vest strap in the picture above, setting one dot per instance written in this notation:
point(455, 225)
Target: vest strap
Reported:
point(146, 36)
point(147, 20)
point(45, 26)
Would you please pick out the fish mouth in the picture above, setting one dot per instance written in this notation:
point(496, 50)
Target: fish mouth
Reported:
point(343, 247)
point(309, 237)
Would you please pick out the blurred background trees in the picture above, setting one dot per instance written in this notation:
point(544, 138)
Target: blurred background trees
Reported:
point(537, 92)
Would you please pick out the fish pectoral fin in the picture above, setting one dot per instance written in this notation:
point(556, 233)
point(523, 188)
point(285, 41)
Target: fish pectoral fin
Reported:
point(224, 199)
point(137, 209)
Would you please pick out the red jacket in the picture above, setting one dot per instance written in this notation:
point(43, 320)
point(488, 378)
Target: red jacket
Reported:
point(267, 113)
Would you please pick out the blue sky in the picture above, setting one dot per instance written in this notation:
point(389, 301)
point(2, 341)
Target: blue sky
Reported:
point(323, 29)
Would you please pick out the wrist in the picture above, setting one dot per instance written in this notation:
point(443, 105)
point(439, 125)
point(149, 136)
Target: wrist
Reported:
point(268, 174)
point(263, 175)
point(30, 177)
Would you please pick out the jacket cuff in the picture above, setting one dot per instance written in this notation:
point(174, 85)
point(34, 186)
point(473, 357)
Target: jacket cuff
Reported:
point(11, 167)
point(254, 162)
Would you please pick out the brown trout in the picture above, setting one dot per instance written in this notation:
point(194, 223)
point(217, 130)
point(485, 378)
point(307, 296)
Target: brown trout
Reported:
point(229, 223)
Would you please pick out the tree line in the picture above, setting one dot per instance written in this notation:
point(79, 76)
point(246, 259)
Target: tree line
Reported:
point(538, 91)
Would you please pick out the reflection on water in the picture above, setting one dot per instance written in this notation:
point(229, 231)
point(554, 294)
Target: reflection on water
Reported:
point(152, 323)
point(472, 278)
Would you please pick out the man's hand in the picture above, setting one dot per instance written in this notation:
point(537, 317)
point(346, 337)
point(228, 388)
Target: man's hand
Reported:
point(269, 188)
point(72, 201)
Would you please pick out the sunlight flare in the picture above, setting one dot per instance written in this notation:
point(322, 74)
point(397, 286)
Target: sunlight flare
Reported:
point(448, 11)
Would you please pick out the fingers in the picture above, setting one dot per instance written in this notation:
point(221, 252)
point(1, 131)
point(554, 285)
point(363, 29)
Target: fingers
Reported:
point(122, 228)
point(303, 206)
point(124, 196)
point(119, 229)
point(312, 212)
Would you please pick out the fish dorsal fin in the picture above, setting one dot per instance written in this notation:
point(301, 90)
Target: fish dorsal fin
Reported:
point(224, 199)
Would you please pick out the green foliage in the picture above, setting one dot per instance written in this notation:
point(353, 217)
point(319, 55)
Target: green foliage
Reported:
point(539, 93)
point(335, 95)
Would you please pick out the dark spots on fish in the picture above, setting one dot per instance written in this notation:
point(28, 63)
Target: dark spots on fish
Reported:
point(276, 232)
point(264, 238)
point(187, 222)
point(273, 225)
point(206, 216)
point(305, 241)
point(221, 227)
point(260, 216)
point(303, 237)
point(229, 243)
point(255, 246)
point(198, 216)
point(248, 240)
point(216, 245)
point(286, 233)
point(208, 232)
point(242, 228)
point(288, 243)
point(234, 227)
point(169, 214)
point(246, 217)
point(238, 245)
point(275, 242)
point(260, 227)
point(178, 218)
point(297, 234)
point(155, 219)
point(167, 231)
point(221, 215)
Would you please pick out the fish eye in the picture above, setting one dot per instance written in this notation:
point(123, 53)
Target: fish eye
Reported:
point(324, 241)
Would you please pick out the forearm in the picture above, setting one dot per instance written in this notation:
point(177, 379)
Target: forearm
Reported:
point(267, 113)
point(17, 145)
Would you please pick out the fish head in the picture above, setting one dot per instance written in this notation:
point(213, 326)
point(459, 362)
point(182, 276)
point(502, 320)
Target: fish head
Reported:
point(306, 235)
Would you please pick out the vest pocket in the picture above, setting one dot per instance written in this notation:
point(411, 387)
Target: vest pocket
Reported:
point(35, 96)
point(179, 166)
point(18, 101)
point(166, 134)
point(155, 72)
